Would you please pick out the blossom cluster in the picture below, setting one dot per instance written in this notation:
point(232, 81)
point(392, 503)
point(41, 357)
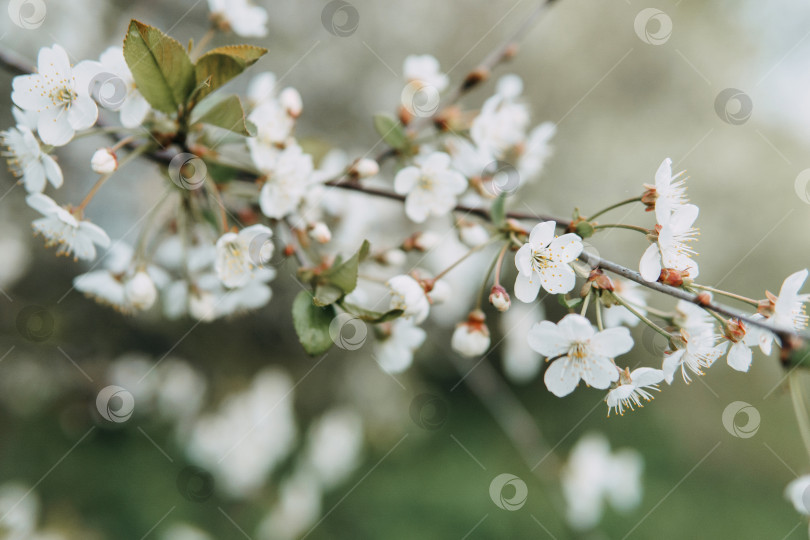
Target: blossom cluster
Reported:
point(244, 194)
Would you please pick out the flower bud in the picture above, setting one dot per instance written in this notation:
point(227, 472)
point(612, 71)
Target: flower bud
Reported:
point(290, 100)
point(440, 292)
point(471, 338)
point(364, 168)
point(104, 161)
point(393, 257)
point(320, 232)
point(472, 234)
point(670, 276)
point(202, 305)
point(140, 291)
point(499, 298)
point(422, 241)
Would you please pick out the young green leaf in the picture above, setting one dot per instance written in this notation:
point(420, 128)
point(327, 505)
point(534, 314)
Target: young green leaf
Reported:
point(369, 315)
point(160, 66)
point(222, 64)
point(343, 275)
point(391, 131)
point(566, 302)
point(327, 294)
point(226, 113)
point(312, 324)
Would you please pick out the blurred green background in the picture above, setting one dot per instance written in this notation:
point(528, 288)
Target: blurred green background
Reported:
point(621, 105)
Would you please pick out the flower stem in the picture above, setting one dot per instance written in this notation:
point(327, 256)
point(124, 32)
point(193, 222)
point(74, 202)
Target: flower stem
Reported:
point(622, 226)
point(642, 318)
point(198, 47)
point(482, 290)
point(213, 190)
point(585, 305)
point(726, 293)
point(476, 249)
point(499, 263)
point(800, 408)
point(613, 206)
point(598, 307)
point(122, 143)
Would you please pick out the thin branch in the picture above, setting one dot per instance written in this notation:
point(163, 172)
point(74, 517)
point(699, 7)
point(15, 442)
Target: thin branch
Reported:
point(14, 64)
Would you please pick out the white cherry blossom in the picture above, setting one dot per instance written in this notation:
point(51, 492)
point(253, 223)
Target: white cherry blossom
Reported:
point(670, 191)
point(132, 106)
point(408, 295)
point(671, 248)
point(424, 69)
point(61, 228)
point(28, 162)
point(394, 352)
point(697, 349)
point(287, 183)
point(59, 93)
point(578, 352)
point(239, 254)
point(502, 122)
point(594, 476)
point(788, 309)
point(544, 262)
point(632, 389)
point(430, 188)
point(242, 16)
point(798, 493)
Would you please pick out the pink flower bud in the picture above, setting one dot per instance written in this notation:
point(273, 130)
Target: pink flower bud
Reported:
point(499, 298)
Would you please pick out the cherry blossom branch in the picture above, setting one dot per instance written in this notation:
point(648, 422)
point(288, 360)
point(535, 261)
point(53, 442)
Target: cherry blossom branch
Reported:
point(790, 338)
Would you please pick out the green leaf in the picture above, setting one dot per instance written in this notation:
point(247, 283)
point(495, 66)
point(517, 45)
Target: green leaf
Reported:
point(160, 66)
point(569, 303)
point(327, 294)
point(220, 65)
point(221, 172)
point(498, 210)
point(343, 275)
point(391, 131)
point(312, 324)
point(369, 315)
point(227, 114)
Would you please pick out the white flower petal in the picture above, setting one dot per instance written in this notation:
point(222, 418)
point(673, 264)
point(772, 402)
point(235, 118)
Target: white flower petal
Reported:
point(561, 377)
